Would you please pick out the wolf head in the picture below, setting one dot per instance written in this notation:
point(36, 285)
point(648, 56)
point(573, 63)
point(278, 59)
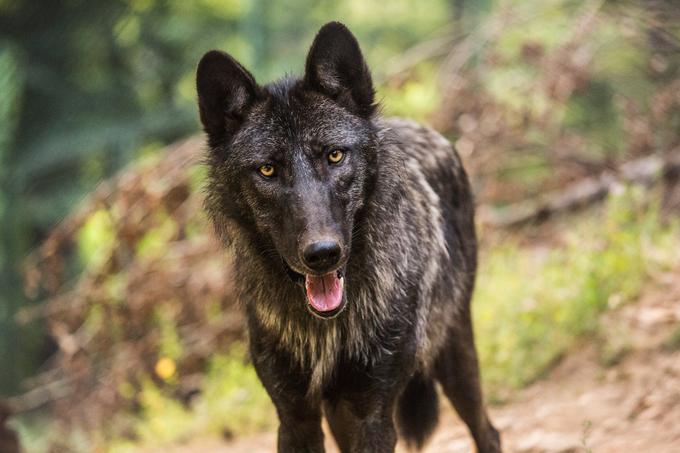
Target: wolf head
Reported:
point(291, 163)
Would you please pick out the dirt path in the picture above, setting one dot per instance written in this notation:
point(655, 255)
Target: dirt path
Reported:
point(581, 406)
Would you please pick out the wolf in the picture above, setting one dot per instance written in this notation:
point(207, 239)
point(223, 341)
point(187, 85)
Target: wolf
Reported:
point(354, 251)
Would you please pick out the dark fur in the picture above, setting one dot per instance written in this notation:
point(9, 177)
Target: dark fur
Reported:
point(399, 206)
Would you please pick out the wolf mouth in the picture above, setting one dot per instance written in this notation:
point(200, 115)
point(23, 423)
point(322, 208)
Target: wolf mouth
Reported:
point(324, 293)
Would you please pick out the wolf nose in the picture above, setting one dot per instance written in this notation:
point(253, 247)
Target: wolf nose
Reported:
point(321, 255)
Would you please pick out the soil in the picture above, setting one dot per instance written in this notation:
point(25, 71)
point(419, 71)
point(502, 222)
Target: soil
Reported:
point(617, 393)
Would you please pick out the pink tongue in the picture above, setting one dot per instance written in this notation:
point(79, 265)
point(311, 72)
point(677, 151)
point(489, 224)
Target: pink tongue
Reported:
point(324, 292)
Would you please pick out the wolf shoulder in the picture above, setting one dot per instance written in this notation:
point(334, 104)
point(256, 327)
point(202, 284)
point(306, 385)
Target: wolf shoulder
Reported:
point(424, 148)
point(422, 143)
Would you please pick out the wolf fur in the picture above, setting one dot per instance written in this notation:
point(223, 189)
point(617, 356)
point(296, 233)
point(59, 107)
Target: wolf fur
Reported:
point(399, 206)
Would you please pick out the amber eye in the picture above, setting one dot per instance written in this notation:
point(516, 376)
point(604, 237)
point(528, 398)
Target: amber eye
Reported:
point(267, 170)
point(335, 156)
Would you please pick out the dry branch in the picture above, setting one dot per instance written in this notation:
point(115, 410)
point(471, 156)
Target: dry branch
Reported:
point(644, 171)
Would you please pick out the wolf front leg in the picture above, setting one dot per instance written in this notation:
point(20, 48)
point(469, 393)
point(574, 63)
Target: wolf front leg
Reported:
point(362, 424)
point(299, 415)
point(300, 426)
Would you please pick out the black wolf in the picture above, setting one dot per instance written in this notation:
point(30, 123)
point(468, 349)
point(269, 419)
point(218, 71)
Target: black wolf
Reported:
point(354, 249)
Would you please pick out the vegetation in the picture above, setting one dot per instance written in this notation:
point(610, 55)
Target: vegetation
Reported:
point(233, 402)
point(533, 302)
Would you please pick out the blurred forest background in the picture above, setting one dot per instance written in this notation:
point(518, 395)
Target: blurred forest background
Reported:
point(118, 326)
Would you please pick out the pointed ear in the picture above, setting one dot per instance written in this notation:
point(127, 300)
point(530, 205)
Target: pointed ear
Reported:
point(226, 90)
point(335, 67)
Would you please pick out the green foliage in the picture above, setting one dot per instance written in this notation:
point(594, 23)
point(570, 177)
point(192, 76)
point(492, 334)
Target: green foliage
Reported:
point(232, 400)
point(231, 388)
point(531, 304)
point(38, 433)
point(154, 241)
point(416, 98)
point(10, 80)
point(594, 114)
point(170, 345)
point(95, 239)
point(16, 364)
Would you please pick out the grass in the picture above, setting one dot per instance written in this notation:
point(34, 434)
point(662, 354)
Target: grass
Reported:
point(533, 302)
point(232, 401)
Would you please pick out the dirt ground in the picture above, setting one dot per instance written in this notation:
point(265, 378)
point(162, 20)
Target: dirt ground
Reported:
point(626, 402)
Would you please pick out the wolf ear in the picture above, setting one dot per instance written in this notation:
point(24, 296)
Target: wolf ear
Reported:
point(225, 92)
point(335, 67)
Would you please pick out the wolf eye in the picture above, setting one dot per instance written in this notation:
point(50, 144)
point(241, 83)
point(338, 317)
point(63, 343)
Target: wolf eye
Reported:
point(335, 156)
point(267, 170)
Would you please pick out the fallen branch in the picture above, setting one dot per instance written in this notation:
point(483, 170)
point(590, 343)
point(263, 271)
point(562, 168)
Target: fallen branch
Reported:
point(645, 171)
point(39, 396)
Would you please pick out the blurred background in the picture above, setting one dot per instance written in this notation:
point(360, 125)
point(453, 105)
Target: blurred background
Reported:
point(118, 327)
